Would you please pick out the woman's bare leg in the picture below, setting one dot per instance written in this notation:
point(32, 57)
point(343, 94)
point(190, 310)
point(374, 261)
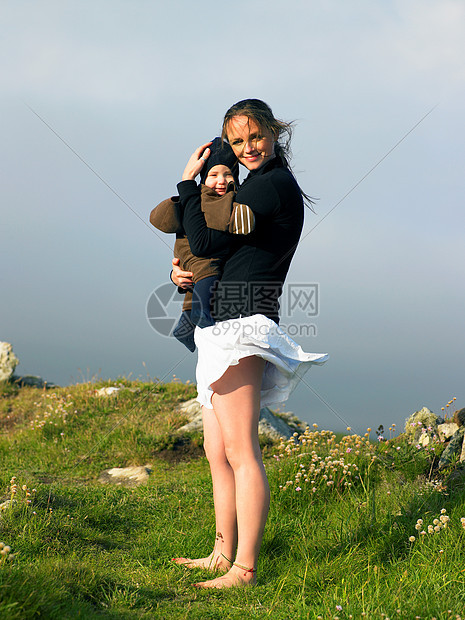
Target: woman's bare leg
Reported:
point(224, 498)
point(236, 402)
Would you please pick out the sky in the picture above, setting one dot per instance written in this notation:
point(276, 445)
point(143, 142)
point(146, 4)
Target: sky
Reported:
point(101, 106)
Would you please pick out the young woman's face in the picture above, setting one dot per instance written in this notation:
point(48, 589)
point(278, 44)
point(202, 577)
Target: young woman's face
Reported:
point(251, 145)
point(218, 178)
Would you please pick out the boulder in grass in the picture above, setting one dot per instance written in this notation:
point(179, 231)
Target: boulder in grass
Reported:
point(462, 454)
point(107, 391)
point(456, 446)
point(33, 381)
point(447, 429)
point(126, 476)
point(416, 424)
point(453, 450)
point(8, 361)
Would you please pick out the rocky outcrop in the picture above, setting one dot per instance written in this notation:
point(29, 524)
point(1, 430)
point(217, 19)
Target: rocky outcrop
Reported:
point(32, 381)
point(456, 446)
point(8, 361)
point(422, 423)
point(453, 450)
point(425, 427)
point(271, 425)
point(447, 429)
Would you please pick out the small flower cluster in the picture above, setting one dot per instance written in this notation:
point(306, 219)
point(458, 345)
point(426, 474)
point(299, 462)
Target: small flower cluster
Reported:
point(53, 409)
point(438, 524)
point(451, 402)
point(433, 485)
point(13, 488)
point(5, 553)
point(16, 495)
point(316, 462)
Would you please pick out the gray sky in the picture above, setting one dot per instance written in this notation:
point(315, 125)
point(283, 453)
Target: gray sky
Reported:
point(134, 87)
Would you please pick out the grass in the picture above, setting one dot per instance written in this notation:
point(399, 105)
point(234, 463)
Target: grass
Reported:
point(340, 542)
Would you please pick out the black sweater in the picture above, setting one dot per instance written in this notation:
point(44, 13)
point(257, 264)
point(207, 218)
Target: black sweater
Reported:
point(258, 263)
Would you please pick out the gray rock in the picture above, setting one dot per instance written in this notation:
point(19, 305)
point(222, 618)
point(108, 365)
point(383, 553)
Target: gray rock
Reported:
point(107, 391)
point(274, 427)
point(453, 449)
point(126, 476)
point(270, 425)
point(459, 417)
point(447, 429)
point(425, 439)
point(462, 454)
point(442, 432)
point(416, 424)
point(32, 381)
point(8, 361)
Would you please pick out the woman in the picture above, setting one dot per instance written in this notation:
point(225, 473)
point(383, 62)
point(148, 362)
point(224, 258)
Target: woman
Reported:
point(245, 360)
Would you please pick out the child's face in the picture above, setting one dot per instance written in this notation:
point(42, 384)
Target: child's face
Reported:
point(218, 178)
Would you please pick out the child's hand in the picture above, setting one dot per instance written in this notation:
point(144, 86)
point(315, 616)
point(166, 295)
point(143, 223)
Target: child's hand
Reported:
point(196, 162)
point(179, 277)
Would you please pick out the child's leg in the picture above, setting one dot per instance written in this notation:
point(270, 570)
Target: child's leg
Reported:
point(184, 330)
point(201, 296)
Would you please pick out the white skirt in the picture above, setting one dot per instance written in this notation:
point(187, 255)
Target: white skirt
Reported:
point(225, 343)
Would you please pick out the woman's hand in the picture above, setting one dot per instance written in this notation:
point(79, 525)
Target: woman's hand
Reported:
point(179, 277)
point(196, 162)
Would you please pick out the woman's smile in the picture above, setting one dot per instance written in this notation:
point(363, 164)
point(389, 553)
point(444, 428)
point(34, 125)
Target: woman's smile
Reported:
point(252, 145)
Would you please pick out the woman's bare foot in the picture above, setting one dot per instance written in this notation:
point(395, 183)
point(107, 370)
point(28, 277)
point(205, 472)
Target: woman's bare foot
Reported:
point(216, 561)
point(236, 576)
point(212, 562)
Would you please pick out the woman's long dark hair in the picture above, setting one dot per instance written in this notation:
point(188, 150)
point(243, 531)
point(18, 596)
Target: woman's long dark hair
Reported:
point(261, 113)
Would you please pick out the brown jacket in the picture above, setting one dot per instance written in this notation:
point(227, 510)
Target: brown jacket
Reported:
point(221, 213)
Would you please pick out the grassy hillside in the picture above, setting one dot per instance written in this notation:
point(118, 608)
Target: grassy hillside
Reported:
point(343, 540)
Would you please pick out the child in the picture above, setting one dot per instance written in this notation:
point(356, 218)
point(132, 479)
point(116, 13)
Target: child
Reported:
point(218, 178)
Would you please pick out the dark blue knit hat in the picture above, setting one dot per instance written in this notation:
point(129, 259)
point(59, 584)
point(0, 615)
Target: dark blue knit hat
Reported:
point(220, 154)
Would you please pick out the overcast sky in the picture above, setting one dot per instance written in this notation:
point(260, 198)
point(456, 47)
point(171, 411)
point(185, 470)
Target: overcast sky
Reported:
point(134, 87)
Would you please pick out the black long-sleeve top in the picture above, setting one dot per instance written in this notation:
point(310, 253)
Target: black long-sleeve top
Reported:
point(257, 264)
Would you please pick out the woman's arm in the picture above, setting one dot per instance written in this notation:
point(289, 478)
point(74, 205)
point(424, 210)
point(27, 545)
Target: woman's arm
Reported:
point(203, 241)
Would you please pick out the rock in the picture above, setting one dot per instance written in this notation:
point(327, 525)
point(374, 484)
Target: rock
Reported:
point(8, 361)
point(126, 476)
point(447, 429)
point(459, 417)
point(416, 424)
point(32, 381)
point(193, 412)
point(454, 448)
point(424, 439)
point(191, 409)
point(107, 391)
point(270, 425)
point(273, 427)
point(443, 431)
point(462, 454)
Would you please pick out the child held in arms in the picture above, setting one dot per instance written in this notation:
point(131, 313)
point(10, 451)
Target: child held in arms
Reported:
point(218, 177)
